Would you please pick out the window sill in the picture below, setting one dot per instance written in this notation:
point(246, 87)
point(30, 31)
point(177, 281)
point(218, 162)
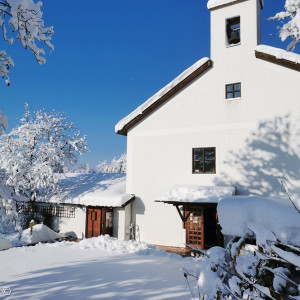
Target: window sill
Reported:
point(234, 99)
point(233, 45)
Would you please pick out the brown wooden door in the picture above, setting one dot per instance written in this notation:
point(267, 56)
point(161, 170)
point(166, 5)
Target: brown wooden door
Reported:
point(195, 227)
point(93, 223)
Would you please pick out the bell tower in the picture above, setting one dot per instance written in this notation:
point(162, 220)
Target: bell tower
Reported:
point(235, 28)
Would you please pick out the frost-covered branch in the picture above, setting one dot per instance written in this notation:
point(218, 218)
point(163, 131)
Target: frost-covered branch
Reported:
point(25, 18)
point(290, 29)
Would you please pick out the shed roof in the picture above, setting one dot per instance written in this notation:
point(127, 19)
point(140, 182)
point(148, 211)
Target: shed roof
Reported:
point(94, 189)
point(195, 194)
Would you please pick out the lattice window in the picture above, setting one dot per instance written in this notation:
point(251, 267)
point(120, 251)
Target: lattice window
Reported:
point(65, 211)
point(195, 227)
point(58, 211)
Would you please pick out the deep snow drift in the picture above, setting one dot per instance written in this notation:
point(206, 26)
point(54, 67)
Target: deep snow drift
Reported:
point(96, 268)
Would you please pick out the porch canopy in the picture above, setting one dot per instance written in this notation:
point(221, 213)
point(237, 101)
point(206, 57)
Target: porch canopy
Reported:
point(93, 189)
point(187, 195)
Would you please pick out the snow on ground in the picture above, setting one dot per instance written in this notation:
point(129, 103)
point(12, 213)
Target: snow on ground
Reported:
point(4, 243)
point(96, 268)
point(40, 233)
point(274, 214)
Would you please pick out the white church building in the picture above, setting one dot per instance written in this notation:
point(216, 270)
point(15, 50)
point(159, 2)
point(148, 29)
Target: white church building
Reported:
point(227, 125)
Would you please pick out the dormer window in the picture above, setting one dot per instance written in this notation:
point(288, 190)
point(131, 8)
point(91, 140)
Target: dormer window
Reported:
point(233, 31)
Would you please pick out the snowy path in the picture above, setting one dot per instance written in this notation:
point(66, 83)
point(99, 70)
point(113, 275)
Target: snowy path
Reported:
point(83, 271)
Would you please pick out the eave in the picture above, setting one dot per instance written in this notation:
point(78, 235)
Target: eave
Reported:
point(273, 59)
point(233, 2)
point(165, 97)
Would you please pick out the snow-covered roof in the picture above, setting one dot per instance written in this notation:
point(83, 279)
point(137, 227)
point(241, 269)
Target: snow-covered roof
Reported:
point(94, 189)
point(279, 53)
point(215, 3)
point(275, 214)
point(151, 101)
point(197, 194)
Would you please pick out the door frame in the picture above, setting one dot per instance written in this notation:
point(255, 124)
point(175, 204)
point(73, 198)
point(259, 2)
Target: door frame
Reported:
point(103, 210)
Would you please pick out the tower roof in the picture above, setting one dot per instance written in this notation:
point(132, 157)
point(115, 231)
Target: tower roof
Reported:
point(214, 4)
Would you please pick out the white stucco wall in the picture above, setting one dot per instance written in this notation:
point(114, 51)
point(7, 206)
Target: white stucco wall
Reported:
point(256, 137)
point(74, 227)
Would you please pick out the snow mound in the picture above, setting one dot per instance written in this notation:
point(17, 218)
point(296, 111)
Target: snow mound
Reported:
point(274, 214)
point(110, 244)
point(279, 53)
point(159, 94)
point(40, 233)
point(198, 194)
point(4, 243)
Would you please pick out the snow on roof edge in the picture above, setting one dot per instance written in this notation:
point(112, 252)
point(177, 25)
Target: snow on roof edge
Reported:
point(279, 53)
point(122, 123)
point(197, 194)
point(215, 3)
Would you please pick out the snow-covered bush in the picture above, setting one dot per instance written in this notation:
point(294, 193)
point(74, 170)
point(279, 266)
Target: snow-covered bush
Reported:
point(240, 271)
point(290, 29)
point(25, 18)
point(117, 165)
point(33, 151)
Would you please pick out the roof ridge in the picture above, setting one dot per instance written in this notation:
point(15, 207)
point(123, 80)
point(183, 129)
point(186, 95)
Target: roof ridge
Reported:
point(162, 95)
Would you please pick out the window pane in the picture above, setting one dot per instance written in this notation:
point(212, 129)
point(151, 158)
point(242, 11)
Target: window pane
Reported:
point(229, 95)
point(229, 88)
point(210, 153)
point(209, 167)
point(198, 154)
point(198, 166)
point(237, 87)
point(237, 94)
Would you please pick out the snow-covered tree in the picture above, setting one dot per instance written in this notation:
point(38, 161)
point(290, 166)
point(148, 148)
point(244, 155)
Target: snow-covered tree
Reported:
point(290, 29)
point(33, 151)
point(82, 168)
point(25, 18)
point(117, 165)
point(3, 122)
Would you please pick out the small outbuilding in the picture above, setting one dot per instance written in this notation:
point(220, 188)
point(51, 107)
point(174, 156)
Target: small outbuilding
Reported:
point(88, 205)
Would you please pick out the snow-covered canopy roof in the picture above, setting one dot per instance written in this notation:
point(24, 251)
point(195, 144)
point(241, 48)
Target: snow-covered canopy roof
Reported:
point(277, 215)
point(211, 4)
point(196, 194)
point(164, 94)
point(95, 189)
point(279, 56)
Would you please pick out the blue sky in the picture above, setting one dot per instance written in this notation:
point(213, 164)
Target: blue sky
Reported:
point(110, 56)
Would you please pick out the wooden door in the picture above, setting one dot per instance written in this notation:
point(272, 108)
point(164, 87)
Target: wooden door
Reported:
point(195, 227)
point(93, 224)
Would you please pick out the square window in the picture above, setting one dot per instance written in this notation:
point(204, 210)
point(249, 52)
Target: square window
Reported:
point(233, 90)
point(205, 163)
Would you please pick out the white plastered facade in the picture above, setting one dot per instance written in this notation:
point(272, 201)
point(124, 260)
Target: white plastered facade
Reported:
point(256, 136)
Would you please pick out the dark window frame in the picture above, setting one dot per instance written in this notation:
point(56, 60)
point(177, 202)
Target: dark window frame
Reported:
point(233, 90)
point(231, 24)
point(214, 160)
